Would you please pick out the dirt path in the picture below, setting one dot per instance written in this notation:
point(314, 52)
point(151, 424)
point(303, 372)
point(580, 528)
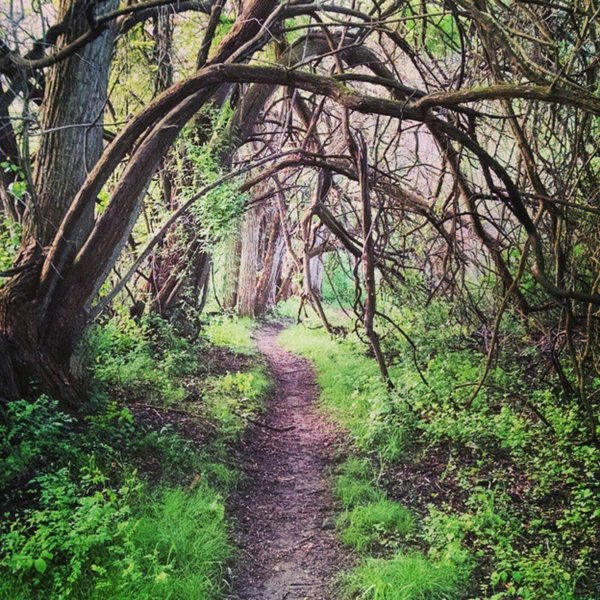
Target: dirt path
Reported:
point(284, 513)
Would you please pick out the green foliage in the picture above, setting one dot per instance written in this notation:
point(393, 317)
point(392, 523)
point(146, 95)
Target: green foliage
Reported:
point(89, 540)
point(10, 239)
point(353, 485)
point(438, 32)
point(231, 332)
point(30, 432)
point(75, 528)
point(234, 398)
point(18, 187)
point(218, 212)
point(81, 527)
point(377, 524)
point(523, 515)
point(403, 577)
point(106, 506)
point(143, 360)
point(529, 573)
point(353, 392)
point(338, 284)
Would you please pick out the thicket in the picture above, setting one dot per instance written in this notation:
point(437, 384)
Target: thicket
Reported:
point(450, 497)
point(431, 168)
point(128, 499)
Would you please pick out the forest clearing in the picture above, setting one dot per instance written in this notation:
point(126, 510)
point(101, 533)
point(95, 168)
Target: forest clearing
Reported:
point(299, 300)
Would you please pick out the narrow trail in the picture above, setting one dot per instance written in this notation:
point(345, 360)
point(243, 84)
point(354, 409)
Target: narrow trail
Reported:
point(284, 513)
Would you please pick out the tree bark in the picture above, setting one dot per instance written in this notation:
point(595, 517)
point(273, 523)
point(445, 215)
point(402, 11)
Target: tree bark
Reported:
point(274, 253)
point(45, 309)
point(231, 270)
point(249, 265)
point(72, 117)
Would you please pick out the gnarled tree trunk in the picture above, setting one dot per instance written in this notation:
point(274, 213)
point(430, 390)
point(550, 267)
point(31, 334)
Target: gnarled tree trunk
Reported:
point(46, 306)
point(35, 347)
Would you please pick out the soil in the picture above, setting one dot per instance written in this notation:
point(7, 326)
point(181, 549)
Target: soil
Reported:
point(284, 512)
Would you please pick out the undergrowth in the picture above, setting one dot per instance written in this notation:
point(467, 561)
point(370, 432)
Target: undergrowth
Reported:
point(111, 503)
point(493, 511)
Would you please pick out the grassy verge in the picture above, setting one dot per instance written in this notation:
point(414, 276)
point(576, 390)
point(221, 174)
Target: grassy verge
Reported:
point(443, 501)
point(127, 501)
point(378, 528)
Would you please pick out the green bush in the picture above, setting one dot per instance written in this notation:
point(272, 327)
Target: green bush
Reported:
point(524, 516)
point(30, 432)
point(135, 360)
point(102, 505)
point(88, 540)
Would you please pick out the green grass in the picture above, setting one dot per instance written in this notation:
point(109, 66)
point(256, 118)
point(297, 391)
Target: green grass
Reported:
point(353, 392)
point(233, 398)
point(403, 577)
point(353, 484)
point(185, 533)
point(380, 523)
point(234, 333)
point(113, 506)
point(380, 425)
point(132, 542)
point(309, 316)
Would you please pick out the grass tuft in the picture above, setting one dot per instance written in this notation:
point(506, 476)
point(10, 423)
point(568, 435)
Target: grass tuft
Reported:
point(381, 523)
point(354, 483)
point(403, 577)
point(233, 333)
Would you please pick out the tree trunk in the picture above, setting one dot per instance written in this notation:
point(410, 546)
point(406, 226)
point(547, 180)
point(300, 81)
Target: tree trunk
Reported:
point(249, 265)
point(231, 270)
point(31, 360)
point(272, 264)
point(73, 108)
point(45, 308)
point(72, 116)
point(317, 269)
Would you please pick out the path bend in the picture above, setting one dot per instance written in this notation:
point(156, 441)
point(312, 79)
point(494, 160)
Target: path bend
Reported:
point(285, 510)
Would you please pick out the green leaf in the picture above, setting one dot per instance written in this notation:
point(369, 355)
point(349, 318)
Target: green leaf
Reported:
point(517, 576)
point(40, 565)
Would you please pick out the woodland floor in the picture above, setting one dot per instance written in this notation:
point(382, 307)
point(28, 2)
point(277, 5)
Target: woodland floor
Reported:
point(284, 512)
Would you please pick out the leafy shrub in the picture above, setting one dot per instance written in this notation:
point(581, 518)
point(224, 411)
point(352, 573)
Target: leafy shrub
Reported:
point(30, 432)
point(87, 540)
point(79, 526)
point(124, 359)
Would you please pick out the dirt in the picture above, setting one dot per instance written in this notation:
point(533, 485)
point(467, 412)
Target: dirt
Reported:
point(284, 513)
